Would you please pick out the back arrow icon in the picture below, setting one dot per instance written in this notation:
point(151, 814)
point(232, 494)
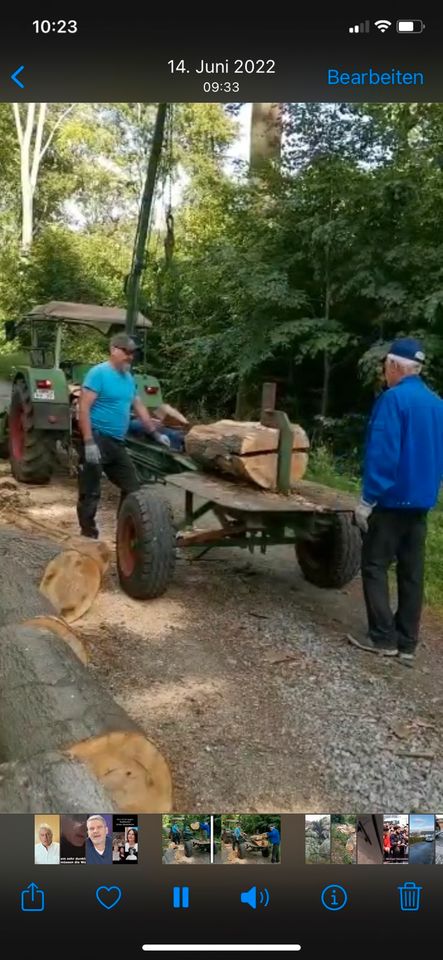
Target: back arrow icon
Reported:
point(14, 77)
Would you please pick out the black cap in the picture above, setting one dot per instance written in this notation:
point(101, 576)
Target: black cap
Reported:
point(124, 342)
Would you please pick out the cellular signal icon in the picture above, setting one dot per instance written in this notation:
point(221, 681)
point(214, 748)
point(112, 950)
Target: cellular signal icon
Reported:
point(360, 27)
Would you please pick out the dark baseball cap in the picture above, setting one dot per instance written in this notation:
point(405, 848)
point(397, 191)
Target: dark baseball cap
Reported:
point(124, 342)
point(406, 348)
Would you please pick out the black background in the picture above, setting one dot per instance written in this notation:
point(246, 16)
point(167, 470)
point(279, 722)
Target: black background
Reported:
point(123, 56)
point(73, 922)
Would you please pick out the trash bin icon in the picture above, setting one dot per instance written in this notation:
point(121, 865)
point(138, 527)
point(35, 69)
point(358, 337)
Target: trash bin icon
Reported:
point(409, 897)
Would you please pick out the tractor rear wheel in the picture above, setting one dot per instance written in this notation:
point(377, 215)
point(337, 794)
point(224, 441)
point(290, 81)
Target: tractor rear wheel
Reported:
point(241, 851)
point(146, 545)
point(333, 559)
point(31, 451)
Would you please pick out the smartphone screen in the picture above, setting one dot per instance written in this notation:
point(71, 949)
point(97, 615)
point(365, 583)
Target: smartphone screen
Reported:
point(221, 362)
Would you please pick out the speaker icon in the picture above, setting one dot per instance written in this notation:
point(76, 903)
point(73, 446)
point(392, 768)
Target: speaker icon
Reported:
point(254, 897)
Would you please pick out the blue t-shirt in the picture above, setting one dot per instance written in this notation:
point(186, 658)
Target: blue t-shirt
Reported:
point(116, 391)
point(274, 835)
point(93, 857)
point(237, 833)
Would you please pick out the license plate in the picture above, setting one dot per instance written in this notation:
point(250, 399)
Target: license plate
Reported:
point(44, 395)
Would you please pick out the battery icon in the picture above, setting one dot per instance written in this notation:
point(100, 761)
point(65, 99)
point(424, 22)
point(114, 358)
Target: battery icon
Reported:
point(410, 26)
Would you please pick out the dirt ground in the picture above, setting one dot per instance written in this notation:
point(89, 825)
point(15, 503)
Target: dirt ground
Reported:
point(176, 855)
point(243, 677)
point(230, 856)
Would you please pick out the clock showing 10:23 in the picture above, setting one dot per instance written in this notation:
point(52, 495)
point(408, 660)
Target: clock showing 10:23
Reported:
point(55, 26)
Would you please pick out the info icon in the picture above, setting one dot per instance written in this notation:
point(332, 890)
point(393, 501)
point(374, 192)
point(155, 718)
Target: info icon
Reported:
point(334, 897)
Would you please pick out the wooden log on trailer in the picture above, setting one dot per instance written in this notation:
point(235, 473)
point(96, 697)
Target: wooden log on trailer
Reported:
point(247, 451)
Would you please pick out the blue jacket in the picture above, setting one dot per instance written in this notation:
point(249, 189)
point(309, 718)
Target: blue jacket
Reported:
point(274, 836)
point(403, 465)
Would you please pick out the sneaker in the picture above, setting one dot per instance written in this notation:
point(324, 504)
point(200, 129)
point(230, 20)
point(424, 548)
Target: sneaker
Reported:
point(407, 659)
point(366, 643)
point(91, 535)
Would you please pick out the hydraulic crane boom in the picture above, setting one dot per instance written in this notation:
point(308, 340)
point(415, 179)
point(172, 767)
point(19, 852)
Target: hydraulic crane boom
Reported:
point(138, 256)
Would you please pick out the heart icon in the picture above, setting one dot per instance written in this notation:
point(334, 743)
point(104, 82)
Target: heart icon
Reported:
point(108, 897)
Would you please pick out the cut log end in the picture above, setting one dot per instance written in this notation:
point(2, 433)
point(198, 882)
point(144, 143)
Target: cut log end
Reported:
point(71, 583)
point(96, 549)
point(130, 768)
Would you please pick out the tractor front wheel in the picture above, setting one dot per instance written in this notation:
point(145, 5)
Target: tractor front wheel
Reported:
point(31, 451)
point(146, 545)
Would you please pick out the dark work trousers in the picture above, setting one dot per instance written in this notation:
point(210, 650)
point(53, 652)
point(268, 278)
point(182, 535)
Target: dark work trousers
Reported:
point(394, 535)
point(275, 855)
point(118, 467)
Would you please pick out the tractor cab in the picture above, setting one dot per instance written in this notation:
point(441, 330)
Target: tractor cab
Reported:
point(104, 320)
point(44, 399)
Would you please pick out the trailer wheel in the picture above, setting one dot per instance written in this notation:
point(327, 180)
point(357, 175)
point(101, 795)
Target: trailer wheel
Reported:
point(145, 544)
point(31, 451)
point(188, 848)
point(333, 559)
point(241, 851)
point(265, 852)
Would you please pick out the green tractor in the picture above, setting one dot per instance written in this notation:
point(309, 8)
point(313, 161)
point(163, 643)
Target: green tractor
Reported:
point(44, 395)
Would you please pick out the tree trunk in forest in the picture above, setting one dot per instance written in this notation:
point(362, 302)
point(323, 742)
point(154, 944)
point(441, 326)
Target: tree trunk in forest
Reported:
point(265, 147)
point(266, 135)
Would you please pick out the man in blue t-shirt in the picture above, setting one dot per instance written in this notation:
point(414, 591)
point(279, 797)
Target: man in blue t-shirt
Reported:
point(237, 837)
point(109, 393)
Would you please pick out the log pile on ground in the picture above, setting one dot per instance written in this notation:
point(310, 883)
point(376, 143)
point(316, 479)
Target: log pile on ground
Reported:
point(246, 451)
point(64, 743)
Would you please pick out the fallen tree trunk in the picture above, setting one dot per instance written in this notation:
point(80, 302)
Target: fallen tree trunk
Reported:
point(51, 704)
point(247, 451)
point(20, 598)
point(50, 782)
point(31, 552)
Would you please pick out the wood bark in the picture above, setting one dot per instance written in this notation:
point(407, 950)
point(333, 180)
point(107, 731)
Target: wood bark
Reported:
point(49, 703)
point(247, 451)
point(64, 742)
point(50, 782)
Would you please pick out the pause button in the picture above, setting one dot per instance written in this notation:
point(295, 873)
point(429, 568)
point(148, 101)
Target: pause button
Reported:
point(180, 898)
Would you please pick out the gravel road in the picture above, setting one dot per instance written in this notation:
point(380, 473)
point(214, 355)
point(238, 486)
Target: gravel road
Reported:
point(243, 676)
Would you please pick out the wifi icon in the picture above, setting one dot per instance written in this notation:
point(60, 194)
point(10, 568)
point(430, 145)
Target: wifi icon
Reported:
point(383, 25)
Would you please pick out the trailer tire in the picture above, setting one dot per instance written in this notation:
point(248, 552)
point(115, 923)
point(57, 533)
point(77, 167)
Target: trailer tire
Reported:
point(188, 848)
point(31, 451)
point(241, 851)
point(146, 545)
point(265, 852)
point(333, 559)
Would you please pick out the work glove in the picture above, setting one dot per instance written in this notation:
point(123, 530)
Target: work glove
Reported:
point(161, 438)
point(92, 452)
point(362, 513)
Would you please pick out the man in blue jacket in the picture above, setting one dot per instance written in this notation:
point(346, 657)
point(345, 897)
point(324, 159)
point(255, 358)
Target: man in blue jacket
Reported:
point(274, 842)
point(403, 470)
